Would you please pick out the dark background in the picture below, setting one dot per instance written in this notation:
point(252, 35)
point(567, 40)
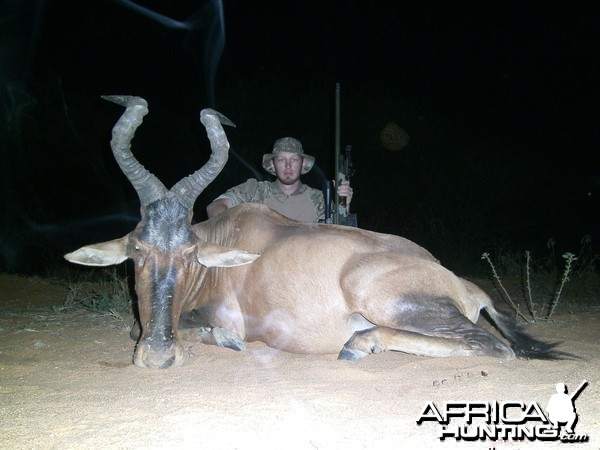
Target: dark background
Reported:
point(500, 100)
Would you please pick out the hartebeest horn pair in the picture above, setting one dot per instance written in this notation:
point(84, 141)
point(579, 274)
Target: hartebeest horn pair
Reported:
point(148, 187)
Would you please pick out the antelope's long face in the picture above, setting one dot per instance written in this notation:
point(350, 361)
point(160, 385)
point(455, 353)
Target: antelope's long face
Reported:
point(162, 248)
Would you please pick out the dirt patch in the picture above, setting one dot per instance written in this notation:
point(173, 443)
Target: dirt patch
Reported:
point(67, 381)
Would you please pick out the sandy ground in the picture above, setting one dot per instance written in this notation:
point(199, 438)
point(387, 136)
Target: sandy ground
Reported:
point(67, 381)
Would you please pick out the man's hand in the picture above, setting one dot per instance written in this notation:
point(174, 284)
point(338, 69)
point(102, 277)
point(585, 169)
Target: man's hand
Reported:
point(344, 190)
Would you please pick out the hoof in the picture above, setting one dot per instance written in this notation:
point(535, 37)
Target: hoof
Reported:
point(228, 339)
point(350, 354)
point(135, 331)
point(201, 334)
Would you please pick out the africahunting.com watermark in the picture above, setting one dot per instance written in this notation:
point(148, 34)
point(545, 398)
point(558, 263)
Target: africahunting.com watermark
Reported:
point(508, 420)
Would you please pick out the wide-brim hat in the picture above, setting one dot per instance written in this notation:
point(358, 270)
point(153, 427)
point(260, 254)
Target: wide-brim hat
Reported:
point(288, 144)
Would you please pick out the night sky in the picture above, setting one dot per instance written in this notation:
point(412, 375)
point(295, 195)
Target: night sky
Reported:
point(500, 101)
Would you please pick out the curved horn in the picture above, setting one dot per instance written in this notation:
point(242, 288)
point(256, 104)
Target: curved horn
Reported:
point(148, 187)
point(188, 189)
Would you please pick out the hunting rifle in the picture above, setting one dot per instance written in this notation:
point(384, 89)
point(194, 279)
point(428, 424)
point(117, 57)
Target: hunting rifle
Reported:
point(344, 170)
point(577, 391)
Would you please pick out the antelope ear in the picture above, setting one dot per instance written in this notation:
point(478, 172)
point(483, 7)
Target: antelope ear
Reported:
point(212, 255)
point(104, 254)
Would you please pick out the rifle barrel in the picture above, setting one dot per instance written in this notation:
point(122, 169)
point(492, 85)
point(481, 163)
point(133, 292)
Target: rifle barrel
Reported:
point(336, 212)
point(579, 389)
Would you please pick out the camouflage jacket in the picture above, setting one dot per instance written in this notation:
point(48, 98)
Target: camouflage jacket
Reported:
point(306, 204)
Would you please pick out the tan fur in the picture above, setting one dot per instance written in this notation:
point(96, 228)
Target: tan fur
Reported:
point(299, 294)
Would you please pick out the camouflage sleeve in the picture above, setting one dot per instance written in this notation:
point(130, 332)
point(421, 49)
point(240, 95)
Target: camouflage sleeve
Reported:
point(242, 193)
point(317, 197)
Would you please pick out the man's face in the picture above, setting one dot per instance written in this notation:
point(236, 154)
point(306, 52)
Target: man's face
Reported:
point(288, 167)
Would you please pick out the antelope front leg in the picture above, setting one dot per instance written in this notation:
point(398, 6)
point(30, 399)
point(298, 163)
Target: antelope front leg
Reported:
point(218, 336)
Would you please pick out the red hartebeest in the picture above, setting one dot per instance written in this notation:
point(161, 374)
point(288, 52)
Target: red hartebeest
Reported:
point(251, 274)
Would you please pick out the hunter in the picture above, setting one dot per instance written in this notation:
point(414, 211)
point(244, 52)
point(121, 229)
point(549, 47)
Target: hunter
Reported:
point(287, 194)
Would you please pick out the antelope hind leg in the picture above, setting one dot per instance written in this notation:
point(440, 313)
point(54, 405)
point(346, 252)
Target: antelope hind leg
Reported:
point(472, 341)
